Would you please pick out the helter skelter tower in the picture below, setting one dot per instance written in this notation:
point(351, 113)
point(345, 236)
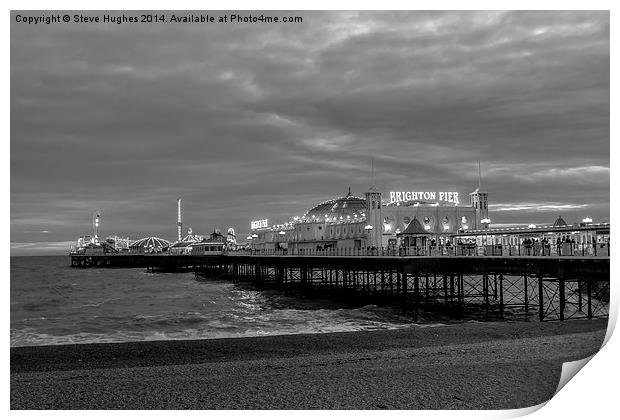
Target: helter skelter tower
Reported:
point(96, 217)
point(179, 220)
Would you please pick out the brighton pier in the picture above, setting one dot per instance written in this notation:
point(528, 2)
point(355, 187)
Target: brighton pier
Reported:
point(447, 259)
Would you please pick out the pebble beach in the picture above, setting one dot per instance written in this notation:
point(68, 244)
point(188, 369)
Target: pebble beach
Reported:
point(473, 365)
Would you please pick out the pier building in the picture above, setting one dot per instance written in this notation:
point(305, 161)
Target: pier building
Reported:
point(199, 244)
point(356, 222)
point(150, 244)
point(430, 221)
point(557, 238)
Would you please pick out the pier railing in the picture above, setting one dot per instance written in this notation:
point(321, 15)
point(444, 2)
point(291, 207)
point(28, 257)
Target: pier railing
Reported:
point(559, 250)
point(457, 250)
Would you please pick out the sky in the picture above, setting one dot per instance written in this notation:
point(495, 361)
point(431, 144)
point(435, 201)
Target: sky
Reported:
point(254, 120)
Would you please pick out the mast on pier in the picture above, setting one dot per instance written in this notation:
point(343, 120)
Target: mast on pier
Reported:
point(179, 220)
point(96, 217)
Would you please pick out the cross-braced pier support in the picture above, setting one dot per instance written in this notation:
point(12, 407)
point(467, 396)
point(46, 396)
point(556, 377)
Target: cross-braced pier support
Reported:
point(461, 287)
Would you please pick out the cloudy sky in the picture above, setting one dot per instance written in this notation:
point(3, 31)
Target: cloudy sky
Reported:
point(251, 121)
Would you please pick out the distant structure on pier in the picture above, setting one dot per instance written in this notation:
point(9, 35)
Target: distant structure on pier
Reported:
point(96, 217)
point(480, 201)
point(150, 244)
point(179, 220)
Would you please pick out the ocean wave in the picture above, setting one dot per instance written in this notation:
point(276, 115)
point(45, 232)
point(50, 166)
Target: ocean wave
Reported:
point(213, 330)
point(43, 318)
point(60, 305)
point(40, 305)
point(97, 304)
point(169, 319)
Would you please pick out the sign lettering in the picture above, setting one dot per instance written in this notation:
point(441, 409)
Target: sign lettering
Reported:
point(448, 196)
point(259, 224)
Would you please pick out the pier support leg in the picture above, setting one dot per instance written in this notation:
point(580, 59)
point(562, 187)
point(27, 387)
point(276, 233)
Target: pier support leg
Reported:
point(579, 300)
point(525, 295)
point(382, 281)
point(416, 296)
point(452, 287)
point(589, 293)
point(501, 295)
point(541, 303)
point(561, 285)
point(485, 292)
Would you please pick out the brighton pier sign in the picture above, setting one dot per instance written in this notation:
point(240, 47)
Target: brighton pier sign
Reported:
point(448, 196)
point(259, 224)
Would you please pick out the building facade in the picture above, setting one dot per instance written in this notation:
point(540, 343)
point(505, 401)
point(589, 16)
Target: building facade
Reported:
point(368, 222)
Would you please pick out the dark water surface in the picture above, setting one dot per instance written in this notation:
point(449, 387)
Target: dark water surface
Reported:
point(52, 303)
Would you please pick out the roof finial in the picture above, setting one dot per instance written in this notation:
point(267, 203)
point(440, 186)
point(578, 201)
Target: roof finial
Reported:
point(479, 177)
point(349, 193)
point(372, 172)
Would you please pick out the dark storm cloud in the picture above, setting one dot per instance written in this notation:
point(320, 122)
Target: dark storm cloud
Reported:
point(249, 121)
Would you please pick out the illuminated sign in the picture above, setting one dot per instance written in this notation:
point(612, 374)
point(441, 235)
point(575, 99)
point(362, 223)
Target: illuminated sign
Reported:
point(450, 196)
point(258, 224)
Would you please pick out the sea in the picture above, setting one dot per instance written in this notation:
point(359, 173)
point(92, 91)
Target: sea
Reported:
point(53, 303)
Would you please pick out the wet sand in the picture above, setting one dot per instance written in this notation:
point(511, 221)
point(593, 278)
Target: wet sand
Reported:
point(461, 366)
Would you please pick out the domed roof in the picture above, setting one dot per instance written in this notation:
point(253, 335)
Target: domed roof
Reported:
point(344, 208)
point(560, 222)
point(150, 242)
